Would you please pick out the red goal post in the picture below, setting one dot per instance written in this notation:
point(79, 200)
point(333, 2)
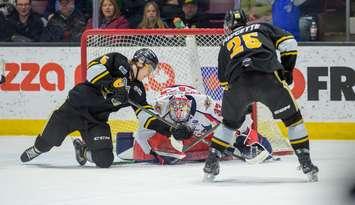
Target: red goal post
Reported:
point(186, 56)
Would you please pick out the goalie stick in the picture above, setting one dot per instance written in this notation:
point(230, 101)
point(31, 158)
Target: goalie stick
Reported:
point(199, 139)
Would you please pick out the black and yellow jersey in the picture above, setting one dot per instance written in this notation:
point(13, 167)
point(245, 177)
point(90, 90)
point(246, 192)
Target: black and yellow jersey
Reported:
point(253, 48)
point(103, 75)
point(105, 70)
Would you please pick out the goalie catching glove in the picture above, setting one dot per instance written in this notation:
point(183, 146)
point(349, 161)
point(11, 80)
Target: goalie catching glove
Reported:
point(181, 132)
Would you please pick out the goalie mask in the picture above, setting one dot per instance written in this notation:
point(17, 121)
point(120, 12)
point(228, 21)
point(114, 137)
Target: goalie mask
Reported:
point(180, 108)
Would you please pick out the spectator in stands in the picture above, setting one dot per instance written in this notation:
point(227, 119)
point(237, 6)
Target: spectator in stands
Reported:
point(286, 15)
point(2, 27)
point(39, 6)
point(193, 18)
point(6, 9)
point(133, 11)
point(13, 2)
point(25, 25)
point(85, 6)
point(66, 24)
point(170, 10)
point(53, 6)
point(151, 17)
point(110, 16)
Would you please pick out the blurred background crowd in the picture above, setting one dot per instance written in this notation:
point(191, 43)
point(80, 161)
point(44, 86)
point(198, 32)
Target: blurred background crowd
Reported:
point(66, 20)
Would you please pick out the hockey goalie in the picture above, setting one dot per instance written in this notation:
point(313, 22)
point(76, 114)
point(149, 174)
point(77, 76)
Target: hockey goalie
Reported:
point(183, 104)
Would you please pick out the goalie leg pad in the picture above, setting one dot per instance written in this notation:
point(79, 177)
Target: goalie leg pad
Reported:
point(124, 145)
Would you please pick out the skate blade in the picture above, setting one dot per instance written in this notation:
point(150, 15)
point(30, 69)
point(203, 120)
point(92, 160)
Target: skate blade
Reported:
point(312, 176)
point(208, 178)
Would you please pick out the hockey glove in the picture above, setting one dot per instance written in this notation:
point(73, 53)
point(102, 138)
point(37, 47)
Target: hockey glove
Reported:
point(119, 96)
point(181, 132)
point(119, 92)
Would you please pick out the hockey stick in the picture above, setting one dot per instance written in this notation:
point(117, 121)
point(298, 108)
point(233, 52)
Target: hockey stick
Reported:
point(199, 139)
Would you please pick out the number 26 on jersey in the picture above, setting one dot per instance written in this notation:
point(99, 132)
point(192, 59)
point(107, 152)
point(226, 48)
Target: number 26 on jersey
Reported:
point(235, 44)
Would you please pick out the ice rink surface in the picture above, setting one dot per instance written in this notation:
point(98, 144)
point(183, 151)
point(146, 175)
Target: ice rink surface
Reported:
point(55, 178)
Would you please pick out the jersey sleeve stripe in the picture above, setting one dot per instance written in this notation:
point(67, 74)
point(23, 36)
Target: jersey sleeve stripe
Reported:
point(94, 71)
point(148, 121)
point(287, 53)
point(100, 76)
point(284, 38)
point(92, 63)
point(145, 106)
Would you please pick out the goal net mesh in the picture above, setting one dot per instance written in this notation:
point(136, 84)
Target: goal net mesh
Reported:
point(186, 56)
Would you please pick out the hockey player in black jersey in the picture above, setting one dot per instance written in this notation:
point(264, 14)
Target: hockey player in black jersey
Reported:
point(249, 70)
point(111, 80)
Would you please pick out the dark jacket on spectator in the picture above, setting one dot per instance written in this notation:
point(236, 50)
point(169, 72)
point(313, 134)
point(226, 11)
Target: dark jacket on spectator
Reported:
point(198, 21)
point(133, 11)
point(3, 29)
point(61, 28)
point(168, 12)
point(119, 22)
point(31, 31)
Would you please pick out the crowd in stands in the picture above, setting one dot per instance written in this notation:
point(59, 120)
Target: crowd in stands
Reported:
point(66, 20)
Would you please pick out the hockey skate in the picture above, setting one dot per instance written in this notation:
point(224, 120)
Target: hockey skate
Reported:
point(30, 154)
point(80, 149)
point(306, 165)
point(211, 168)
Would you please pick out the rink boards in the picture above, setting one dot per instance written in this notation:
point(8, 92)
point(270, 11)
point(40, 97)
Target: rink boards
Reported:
point(40, 77)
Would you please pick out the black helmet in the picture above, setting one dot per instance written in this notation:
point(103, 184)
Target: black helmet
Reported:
point(145, 55)
point(234, 18)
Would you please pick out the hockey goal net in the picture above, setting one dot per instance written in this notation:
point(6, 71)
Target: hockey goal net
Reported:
point(186, 56)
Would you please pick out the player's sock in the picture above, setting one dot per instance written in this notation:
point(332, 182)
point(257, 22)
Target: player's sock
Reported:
point(80, 149)
point(30, 154)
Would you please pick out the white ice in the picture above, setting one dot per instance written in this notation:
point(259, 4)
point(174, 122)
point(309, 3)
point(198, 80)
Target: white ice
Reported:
point(55, 178)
